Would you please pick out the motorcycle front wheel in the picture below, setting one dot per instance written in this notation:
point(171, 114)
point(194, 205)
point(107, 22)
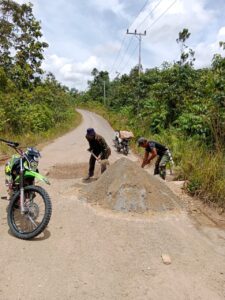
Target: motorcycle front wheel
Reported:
point(34, 220)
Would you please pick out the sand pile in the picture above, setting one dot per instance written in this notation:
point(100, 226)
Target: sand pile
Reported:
point(125, 186)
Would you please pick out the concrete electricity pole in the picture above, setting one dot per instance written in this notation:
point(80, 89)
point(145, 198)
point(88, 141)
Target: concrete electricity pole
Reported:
point(139, 36)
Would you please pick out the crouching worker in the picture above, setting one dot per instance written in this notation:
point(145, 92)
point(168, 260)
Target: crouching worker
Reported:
point(153, 149)
point(99, 150)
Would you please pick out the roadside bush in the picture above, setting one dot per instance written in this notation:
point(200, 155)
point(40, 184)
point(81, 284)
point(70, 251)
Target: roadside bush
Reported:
point(37, 118)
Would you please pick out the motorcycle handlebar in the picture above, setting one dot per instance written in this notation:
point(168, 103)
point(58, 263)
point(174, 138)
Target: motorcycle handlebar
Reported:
point(10, 143)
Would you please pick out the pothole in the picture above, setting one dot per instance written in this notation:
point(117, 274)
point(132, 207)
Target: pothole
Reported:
point(70, 171)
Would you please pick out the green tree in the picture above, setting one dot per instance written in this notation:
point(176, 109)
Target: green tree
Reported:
point(21, 50)
point(216, 83)
point(187, 54)
point(99, 85)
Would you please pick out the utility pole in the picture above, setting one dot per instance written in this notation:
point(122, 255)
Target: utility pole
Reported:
point(139, 36)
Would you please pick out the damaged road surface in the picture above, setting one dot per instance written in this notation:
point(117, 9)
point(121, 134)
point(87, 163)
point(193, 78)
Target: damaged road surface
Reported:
point(123, 236)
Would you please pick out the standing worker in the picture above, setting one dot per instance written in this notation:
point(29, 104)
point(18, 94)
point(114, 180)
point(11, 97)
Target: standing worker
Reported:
point(153, 149)
point(100, 149)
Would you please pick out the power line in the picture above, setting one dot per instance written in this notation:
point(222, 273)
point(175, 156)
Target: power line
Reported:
point(140, 34)
point(139, 13)
point(129, 59)
point(123, 54)
point(128, 46)
point(141, 24)
point(162, 15)
point(118, 54)
point(149, 13)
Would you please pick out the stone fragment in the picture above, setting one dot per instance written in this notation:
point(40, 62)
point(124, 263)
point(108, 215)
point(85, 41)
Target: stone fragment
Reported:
point(166, 259)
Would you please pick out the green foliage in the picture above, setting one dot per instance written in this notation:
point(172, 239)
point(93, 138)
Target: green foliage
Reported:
point(21, 51)
point(37, 118)
point(155, 115)
point(216, 85)
point(177, 95)
point(3, 80)
point(194, 120)
point(99, 86)
point(2, 118)
point(32, 110)
point(41, 138)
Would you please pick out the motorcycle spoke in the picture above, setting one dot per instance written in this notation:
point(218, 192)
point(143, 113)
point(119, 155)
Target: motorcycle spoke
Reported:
point(35, 211)
point(32, 221)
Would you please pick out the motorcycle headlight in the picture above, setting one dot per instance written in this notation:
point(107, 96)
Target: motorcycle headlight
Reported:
point(33, 165)
point(36, 158)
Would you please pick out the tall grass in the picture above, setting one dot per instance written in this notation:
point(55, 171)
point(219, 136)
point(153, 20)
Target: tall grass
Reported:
point(205, 172)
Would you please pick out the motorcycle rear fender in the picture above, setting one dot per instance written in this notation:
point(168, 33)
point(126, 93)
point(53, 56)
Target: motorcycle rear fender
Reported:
point(36, 175)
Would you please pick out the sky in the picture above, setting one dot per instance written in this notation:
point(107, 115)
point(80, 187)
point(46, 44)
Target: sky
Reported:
point(87, 34)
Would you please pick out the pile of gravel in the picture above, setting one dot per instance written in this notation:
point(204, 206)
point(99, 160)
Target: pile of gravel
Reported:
point(126, 187)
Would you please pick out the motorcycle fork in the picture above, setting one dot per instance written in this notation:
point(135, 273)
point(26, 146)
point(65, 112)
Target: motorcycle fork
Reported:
point(22, 208)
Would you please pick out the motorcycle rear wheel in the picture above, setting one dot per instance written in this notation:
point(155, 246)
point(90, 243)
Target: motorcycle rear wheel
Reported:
point(125, 151)
point(38, 212)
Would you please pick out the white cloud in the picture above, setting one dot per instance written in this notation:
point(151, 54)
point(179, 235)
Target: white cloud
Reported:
point(113, 5)
point(221, 34)
point(204, 51)
point(181, 15)
point(74, 74)
point(108, 48)
point(182, 11)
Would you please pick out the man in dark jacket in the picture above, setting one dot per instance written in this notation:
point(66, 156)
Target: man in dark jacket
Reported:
point(99, 147)
point(153, 149)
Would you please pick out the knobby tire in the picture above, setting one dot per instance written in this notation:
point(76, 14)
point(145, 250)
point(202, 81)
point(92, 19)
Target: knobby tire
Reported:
point(45, 220)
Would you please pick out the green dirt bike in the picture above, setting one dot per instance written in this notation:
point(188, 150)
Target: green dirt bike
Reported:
point(30, 208)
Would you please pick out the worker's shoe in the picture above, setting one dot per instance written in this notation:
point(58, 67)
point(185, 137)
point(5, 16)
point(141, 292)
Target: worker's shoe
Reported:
point(87, 177)
point(156, 171)
point(162, 172)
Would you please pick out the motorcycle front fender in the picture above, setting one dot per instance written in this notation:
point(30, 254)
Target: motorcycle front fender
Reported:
point(36, 175)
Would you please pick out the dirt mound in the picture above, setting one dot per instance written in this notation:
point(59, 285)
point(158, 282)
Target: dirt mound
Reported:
point(127, 187)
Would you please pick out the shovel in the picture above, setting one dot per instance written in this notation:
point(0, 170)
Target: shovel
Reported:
point(103, 162)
